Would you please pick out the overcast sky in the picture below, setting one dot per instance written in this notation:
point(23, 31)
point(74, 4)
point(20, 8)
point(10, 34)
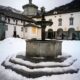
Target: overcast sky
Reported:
point(48, 4)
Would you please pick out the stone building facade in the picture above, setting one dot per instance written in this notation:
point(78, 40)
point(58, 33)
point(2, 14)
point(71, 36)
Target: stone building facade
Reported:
point(14, 24)
point(65, 26)
point(66, 22)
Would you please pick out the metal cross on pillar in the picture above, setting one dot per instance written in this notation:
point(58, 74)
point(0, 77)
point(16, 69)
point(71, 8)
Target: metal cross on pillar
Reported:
point(43, 23)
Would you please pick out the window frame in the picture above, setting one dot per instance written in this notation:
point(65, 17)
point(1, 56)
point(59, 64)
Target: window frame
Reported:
point(8, 20)
point(26, 29)
point(71, 21)
point(21, 29)
point(60, 22)
point(6, 27)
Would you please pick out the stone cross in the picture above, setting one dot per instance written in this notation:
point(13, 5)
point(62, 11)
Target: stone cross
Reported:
point(30, 1)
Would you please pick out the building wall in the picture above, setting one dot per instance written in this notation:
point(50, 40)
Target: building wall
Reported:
point(12, 26)
point(32, 33)
point(65, 21)
point(9, 32)
point(65, 27)
point(27, 35)
point(39, 33)
point(65, 24)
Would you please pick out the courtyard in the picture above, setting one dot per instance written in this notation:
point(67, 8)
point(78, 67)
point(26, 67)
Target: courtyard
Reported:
point(11, 47)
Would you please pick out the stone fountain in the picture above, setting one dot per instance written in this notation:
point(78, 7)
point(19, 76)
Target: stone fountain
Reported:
point(43, 48)
point(41, 58)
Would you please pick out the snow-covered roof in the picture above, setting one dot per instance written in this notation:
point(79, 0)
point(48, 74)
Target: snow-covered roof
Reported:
point(13, 13)
point(73, 6)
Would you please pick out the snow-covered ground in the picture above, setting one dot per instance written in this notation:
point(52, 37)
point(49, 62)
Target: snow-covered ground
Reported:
point(72, 48)
point(13, 46)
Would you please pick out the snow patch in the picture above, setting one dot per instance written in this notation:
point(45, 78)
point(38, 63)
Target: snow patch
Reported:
point(11, 46)
point(66, 63)
point(48, 70)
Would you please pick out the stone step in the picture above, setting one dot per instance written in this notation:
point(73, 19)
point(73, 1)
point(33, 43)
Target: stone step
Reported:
point(60, 58)
point(34, 73)
point(31, 65)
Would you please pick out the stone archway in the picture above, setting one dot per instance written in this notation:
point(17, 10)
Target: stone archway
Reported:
point(60, 34)
point(71, 34)
point(50, 34)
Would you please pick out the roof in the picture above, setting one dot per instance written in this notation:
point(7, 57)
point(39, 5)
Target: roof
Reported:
point(37, 16)
point(30, 5)
point(73, 6)
point(31, 25)
point(9, 13)
point(10, 9)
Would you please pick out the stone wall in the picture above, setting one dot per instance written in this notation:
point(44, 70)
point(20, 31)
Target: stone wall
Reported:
point(43, 48)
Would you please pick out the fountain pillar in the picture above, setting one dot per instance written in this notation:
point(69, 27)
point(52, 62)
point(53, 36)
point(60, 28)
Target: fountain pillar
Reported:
point(43, 48)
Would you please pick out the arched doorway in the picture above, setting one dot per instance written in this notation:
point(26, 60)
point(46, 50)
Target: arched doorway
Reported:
point(60, 34)
point(71, 34)
point(50, 34)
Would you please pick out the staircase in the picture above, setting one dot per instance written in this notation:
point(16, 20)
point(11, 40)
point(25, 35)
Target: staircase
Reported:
point(33, 67)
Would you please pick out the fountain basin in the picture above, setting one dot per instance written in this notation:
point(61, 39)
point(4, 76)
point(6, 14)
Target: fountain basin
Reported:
point(47, 48)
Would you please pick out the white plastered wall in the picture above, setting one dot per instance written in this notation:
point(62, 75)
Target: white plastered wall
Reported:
point(65, 21)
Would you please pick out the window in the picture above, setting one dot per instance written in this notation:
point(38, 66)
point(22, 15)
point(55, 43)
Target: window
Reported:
point(50, 20)
point(55, 12)
point(25, 29)
point(71, 20)
point(24, 23)
point(16, 22)
point(21, 21)
point(6, 27)
point(71, 14)
point(21, 28)
point(5, 18)
point(8, 20)
point(13, 20)
point(60, 22)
